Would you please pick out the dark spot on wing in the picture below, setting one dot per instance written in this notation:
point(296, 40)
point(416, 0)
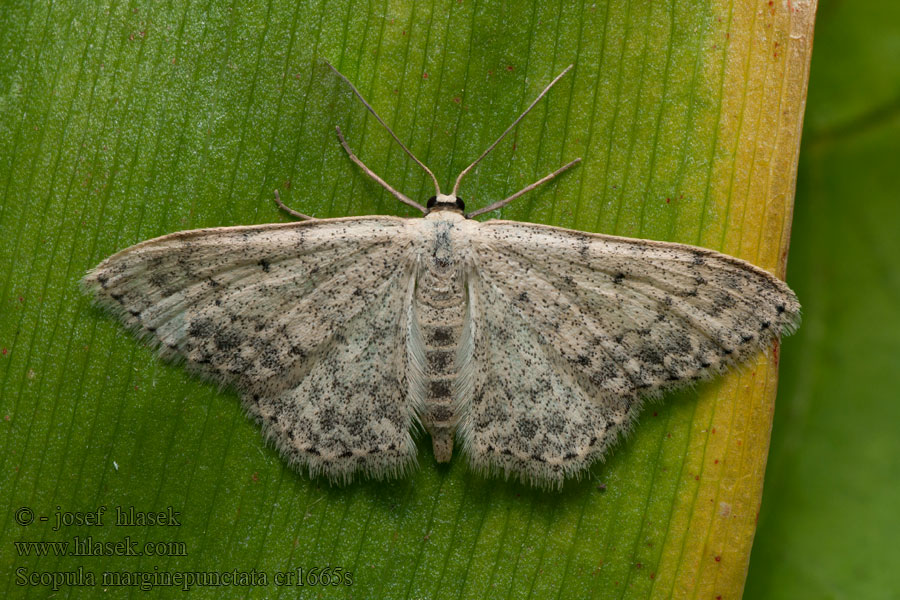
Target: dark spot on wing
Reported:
point(679, 345)
point(585, 247)
point(723, 301)
point(327, 418)
point(159, 279)
point(650, 355)
point(732, 281)
point(527, 427)
point(201, 328)
point(227, 339)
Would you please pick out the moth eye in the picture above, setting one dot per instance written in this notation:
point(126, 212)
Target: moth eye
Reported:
point(460, 204)
point(431, 202)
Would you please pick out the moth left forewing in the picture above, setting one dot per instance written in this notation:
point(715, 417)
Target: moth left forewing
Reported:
point(209, 295)
point(615, 320)
point(301, 318)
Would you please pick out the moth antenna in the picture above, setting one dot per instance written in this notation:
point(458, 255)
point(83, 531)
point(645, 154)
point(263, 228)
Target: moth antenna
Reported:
point(437, 187)
point(508, 129)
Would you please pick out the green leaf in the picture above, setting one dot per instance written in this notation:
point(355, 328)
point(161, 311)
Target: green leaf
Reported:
point(829, 523)
point(121, 122)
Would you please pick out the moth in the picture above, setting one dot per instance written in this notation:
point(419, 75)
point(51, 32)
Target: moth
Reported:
point(531, 346)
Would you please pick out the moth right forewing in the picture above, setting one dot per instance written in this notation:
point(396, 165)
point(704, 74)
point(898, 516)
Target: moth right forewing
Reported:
point(611, 319)
point(726, 299)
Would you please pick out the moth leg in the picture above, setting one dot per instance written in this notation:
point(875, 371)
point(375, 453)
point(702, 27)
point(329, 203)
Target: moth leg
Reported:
point(504, 202)
point(372, 174)
point(291, 211)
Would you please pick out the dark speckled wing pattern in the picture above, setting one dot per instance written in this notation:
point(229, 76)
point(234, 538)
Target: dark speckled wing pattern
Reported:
point(568, 331)
point(308, 321)
point(533, 345)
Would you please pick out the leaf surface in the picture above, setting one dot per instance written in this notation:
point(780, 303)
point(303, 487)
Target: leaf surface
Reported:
point(122, 122)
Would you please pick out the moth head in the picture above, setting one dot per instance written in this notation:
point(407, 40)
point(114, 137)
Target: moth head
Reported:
point(445, 202)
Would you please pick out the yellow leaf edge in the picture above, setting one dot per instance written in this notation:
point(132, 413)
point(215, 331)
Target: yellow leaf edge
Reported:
point(706, 551)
